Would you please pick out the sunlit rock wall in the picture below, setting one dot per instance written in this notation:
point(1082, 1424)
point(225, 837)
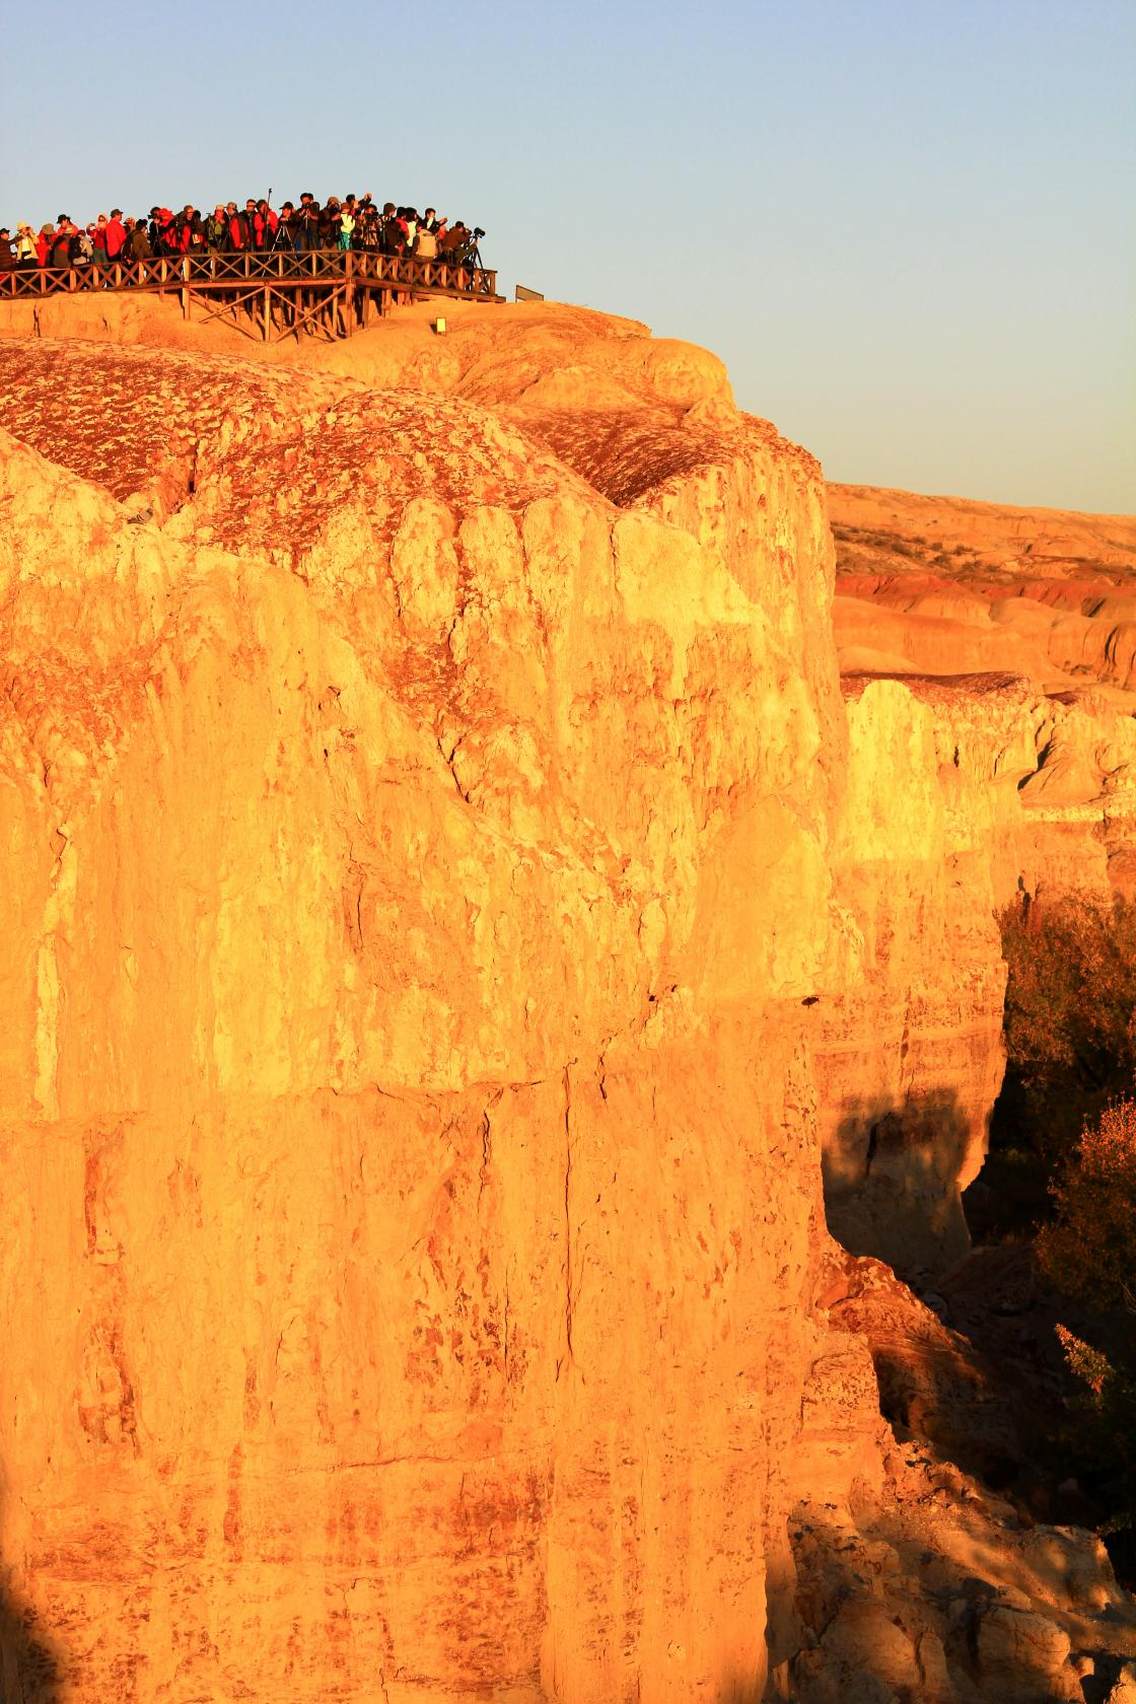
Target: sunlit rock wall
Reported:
point(416, 868)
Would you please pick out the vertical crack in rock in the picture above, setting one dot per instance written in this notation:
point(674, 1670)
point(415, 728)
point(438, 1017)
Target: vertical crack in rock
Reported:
point(505, 1329)
point(567, 1209)
point(448, 759)
point(486, 1153)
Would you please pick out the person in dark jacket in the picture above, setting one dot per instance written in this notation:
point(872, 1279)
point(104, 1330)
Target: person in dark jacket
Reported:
point(329, 222)
point(319, 226)
point(302, 229)
point(367, 234)
point(215, 230)
point(63, 244)
point(7, 252)
point(287, 228)
point(453, 243)
point(394, 236)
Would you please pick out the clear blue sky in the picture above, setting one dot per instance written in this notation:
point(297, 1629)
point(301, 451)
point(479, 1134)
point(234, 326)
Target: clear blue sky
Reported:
point(907, 228)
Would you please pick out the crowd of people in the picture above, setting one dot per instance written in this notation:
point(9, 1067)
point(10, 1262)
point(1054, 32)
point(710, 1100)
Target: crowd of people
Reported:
point(347, 222)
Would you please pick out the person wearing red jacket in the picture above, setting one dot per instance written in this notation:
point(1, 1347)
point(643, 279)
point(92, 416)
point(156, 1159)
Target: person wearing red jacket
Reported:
point(99, 241)
point(115, 236)
point(236, 229)
point(167, 232)
point(263, 222)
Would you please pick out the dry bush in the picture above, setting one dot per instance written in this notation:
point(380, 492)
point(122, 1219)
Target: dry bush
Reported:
point(1064, 1136)
point(1069, 1029)
point(1100, 1438)
point(1089, 1251)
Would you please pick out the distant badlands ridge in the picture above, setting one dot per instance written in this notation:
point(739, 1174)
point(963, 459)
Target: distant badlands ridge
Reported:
point(937, 541)
point(947, 585)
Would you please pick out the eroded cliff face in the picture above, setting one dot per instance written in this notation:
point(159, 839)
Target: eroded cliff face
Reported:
point(452, 910)
point(409, 1250)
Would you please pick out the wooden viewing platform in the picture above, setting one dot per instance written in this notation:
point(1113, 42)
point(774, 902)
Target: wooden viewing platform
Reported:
point(268, 295)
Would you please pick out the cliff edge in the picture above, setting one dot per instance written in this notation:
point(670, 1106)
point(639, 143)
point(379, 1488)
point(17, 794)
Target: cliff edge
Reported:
point(449, 894)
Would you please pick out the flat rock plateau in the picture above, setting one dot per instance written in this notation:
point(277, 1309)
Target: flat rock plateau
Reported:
point(501, 997)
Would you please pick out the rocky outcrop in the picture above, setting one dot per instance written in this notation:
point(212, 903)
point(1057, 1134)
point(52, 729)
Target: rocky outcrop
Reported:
point(921, 1583)
point(407, 1272)
point(451, 908)
point(947, 1598)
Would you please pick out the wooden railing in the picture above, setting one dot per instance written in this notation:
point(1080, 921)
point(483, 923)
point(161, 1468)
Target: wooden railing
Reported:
point(276, 266)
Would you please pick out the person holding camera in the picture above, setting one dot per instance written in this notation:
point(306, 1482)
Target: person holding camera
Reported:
point(138, 242)
point(25, 244)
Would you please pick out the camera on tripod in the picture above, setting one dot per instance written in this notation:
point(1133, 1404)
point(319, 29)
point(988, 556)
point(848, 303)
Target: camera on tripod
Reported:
point(471, 252)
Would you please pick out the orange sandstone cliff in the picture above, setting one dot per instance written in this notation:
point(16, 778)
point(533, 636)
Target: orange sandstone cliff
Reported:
point(459, 925)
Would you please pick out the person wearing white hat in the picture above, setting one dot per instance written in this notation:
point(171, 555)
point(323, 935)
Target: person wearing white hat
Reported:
point(25, 244)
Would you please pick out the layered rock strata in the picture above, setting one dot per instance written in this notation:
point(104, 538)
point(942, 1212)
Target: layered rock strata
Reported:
point(408, 1266)
point(986, 658)
point(451, 907)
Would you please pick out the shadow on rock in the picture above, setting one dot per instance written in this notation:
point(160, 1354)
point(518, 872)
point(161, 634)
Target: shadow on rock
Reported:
point(735, 1689)
point(30, 1661)
point(30, 1666)
point(933, 1383)
point(891, 1180)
